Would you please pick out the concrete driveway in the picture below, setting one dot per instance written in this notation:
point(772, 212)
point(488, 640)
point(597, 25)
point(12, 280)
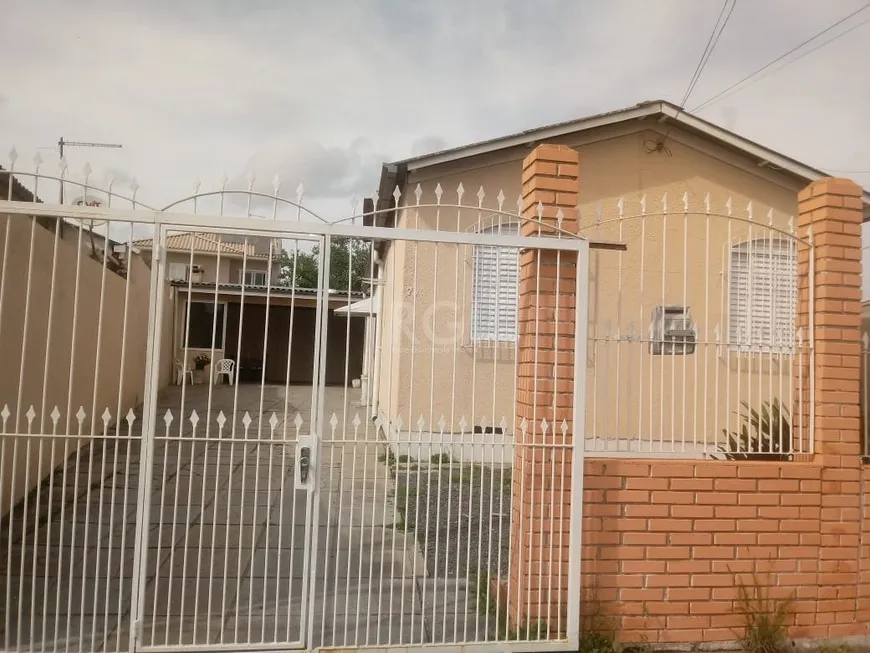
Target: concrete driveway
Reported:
point(226, 559)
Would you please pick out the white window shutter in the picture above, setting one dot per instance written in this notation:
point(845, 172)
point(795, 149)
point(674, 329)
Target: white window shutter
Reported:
point(762, 294)
point(495, 282)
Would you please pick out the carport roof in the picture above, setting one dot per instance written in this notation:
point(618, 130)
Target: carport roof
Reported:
point(261, 291)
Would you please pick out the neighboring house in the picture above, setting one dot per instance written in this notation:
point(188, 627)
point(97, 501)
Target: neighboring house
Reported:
point(72, 354)
point(727, 285)
point(230, 280)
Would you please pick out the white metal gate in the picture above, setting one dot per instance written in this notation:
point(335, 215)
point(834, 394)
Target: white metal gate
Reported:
point(352, 477)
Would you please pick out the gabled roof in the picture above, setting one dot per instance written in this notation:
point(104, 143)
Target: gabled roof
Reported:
point(19, 192)
point(657, 109)
point(205, 244)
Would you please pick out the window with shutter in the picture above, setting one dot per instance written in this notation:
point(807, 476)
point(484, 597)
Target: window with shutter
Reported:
point(253, 278)
point(762, 295)
point(495, 281)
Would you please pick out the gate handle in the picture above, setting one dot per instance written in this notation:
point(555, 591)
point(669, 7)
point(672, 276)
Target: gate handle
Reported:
point(304, 463)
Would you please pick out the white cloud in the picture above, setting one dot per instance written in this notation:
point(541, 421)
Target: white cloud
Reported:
point(320, 93)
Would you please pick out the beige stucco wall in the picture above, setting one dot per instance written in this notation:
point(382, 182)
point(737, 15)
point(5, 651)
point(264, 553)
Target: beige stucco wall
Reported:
point(428, 315)
point(617, 166)
point(79, 372)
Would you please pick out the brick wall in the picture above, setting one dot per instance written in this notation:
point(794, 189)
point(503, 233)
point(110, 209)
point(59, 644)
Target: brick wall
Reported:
point(666, 543)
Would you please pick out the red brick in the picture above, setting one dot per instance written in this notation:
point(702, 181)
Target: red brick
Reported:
point(712, 580)
point(668, 552)
point(646, 510)
point(644, 567)
point(720, 620)
point(736, 485)
point(646, 483)
point(746, 539)
point(736, 512)
point(691, 484)
point(646, 594)
point(733, 566)
point(670, 525)
point(779, 539)
point(691, 539)
point(689, 566)
point(668, 580)
point(673, 470)
point(715, 525)
point(645, 539)
point(626, 496)
point(716, 470)
point(686, 622)
point(667, 608)
point(690, 594)
point(713, 552)
point(692, 512)
point(758, 470)
point(677, 635)
point(717, 498)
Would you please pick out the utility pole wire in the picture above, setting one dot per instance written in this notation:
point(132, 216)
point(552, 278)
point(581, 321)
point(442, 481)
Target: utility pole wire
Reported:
point(727, 91)
point(708, 50)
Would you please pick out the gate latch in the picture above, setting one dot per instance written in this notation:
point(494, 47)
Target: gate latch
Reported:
point(304, 464)
point(304, 461)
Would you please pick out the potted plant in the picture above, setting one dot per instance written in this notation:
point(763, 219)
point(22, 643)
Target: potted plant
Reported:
point(201, 361)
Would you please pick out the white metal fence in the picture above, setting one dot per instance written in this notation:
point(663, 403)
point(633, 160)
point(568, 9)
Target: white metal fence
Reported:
point(694, 349)
point(288, 509)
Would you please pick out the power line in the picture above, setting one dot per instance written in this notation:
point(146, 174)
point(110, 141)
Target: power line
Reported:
point(708, 49)
point(652, 145)
point(727, 91)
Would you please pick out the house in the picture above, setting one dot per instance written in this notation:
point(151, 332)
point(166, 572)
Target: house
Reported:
point(241, 310)
point(694, 318)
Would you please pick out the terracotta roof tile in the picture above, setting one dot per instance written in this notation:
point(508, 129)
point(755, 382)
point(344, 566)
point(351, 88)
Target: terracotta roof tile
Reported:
point(206, 243)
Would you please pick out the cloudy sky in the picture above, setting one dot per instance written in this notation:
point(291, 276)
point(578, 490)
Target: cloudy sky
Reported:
point(323, 91)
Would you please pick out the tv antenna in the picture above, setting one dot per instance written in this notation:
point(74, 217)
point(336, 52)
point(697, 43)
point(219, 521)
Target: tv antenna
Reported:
point(62, 144)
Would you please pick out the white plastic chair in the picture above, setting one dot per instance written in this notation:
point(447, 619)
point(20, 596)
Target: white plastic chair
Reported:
point(225, 366)
point(182, 370)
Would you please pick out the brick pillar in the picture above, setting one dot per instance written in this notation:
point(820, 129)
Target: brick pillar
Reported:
point(833, 208)
point(542, 472)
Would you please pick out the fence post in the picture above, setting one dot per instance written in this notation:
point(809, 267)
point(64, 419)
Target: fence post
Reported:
point(833, 208)
point(541, 481)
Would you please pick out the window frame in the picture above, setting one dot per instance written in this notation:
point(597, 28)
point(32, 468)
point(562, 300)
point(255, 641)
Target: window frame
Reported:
point(242, 282)
point(496, 335)
point(220, 340)
point(775, 258)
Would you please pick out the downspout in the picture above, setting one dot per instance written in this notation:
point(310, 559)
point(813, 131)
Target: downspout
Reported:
point(375, 373)
point(392, 175)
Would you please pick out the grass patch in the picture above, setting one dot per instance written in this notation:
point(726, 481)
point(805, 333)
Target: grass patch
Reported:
point(481, 473)
point(839, 648)
point(487, 603)
point(405, 498)
point(765, 620)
